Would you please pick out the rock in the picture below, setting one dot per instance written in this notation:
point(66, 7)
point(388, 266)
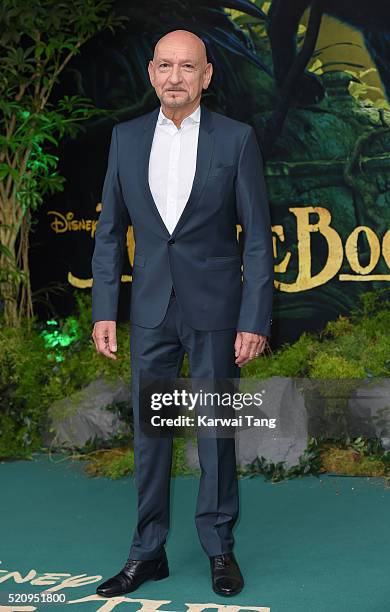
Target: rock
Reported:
point(285, 403)
point(74, 420)
point(348, 408)
point(372, 400)
point(286, 442)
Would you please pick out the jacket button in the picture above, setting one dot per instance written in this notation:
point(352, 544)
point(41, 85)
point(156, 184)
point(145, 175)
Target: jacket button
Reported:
point(171, 241)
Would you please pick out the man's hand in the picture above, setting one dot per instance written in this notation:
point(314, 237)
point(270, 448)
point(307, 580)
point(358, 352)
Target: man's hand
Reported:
point(104, 337)
point(247, 346)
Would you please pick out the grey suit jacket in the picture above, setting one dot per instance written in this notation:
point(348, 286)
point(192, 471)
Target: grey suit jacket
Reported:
point(201, 258)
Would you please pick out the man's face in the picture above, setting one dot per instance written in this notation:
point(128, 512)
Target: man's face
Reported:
point(179, 72)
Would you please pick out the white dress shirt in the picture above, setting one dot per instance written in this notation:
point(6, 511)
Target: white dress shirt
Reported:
point(172, 165)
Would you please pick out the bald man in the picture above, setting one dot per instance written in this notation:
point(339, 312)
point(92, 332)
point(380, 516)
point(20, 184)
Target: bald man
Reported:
point(184, 177)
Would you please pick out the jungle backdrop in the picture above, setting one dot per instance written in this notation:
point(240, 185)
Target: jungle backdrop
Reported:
point(323, 123)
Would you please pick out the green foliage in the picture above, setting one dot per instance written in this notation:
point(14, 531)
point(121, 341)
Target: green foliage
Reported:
point(362, 91)
point(179, 460)
point(117, 463)
point(355, 457)
point(40, 366)
point(110, 463)
point(34, 374)
point(356, 347)
point(293, 360)
point(345, 456)
point(347, 350)
point(55, 32)
point(22, 376)
point(38, 39)
point(309, 463)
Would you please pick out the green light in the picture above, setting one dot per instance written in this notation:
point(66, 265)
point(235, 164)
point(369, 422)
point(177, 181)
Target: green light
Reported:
point(57, 337)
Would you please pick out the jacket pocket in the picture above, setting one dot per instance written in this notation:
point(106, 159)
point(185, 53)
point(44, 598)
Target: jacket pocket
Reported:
point(139, 260)
point(220, 170)
point(226, 261)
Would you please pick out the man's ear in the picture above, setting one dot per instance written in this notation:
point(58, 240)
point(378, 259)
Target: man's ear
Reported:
point(150, 71)
point(209, 69)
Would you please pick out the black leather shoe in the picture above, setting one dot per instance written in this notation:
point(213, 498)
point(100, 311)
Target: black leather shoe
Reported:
point(133, 574)
point(226, 575)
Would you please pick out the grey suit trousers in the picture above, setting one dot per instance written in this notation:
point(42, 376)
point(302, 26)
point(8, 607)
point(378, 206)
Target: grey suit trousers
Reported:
point(159, 351)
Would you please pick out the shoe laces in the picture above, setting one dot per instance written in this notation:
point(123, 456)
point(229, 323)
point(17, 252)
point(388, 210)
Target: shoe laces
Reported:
point(221, 560)
point(130, 566)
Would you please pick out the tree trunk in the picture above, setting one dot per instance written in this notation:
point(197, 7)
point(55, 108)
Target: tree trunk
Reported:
point(15, 286)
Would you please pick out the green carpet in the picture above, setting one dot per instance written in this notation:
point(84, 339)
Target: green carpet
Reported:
point(305, 545)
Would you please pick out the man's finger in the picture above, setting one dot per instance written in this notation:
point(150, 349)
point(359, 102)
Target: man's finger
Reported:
point(112, 341)
point(249, 352)
point(238, 344)
point(242, 356)
point(104, 348)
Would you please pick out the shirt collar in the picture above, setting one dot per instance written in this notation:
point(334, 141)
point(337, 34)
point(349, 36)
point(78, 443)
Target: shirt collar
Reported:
point(193, 118)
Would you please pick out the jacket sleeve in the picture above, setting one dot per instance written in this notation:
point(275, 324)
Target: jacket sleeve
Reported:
point(110, 238)
point(254, 217)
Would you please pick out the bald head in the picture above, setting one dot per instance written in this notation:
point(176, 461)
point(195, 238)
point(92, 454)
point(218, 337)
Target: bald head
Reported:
point(179, 71)
point(182, 39)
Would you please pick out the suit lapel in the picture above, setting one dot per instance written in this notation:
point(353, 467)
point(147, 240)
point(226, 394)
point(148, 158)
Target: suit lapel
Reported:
point(203, 162)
